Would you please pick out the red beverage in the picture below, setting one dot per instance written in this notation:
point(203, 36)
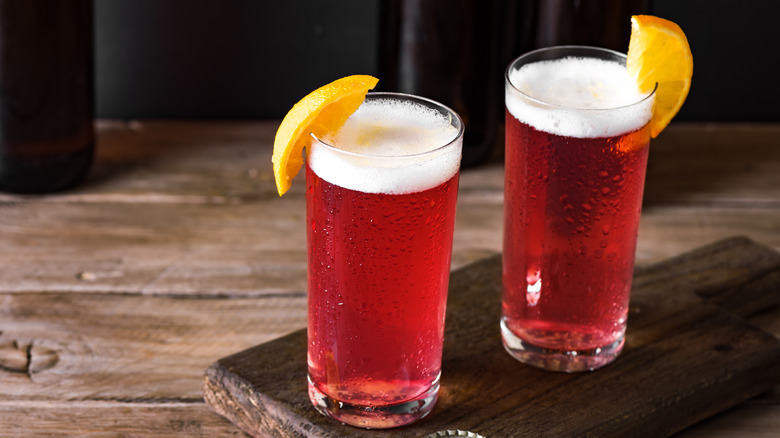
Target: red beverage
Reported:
point(581, 234)
point(379, 262)
point(381, 289)
point(573, 195)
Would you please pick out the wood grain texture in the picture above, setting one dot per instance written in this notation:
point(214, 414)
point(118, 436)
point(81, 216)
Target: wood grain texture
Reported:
point(172, 201)
point(104, 419)
point(704, 165)
point(131, 348)
point(686, 358)
point(116, 295)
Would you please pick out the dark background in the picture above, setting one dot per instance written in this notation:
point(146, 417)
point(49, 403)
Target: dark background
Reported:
point(251, 59)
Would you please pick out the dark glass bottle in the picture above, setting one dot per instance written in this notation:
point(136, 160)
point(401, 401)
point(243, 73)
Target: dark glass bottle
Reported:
point(46, 94)
point(600, 23)
point(448, 51)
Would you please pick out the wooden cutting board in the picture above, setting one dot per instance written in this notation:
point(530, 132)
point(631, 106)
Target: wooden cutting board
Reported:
point(689, 354)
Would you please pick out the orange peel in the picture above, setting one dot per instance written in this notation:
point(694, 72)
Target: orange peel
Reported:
point(321, 112)
point(659, 53)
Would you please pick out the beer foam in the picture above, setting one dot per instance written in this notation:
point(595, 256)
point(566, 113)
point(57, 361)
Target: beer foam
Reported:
point(385, 144)
point(585, 97)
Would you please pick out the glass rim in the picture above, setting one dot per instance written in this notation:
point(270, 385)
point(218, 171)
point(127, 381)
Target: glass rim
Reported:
point(452, 117)
point(571, 48)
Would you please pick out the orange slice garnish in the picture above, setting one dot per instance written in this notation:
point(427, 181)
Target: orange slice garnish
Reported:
point(321, 112)
point(658, 53)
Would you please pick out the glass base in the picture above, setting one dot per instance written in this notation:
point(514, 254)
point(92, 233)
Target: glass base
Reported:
point(375, 417)
point(569, 361)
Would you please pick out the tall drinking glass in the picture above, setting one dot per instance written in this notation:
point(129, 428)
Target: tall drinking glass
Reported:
point(577, 139)
point(380, 205)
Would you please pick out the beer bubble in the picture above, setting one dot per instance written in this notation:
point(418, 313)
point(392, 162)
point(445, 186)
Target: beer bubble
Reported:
point(385, 142)
point(559, 83)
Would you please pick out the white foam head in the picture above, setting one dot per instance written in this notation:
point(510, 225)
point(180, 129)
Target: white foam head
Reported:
point(577, 97)
point(391, 144)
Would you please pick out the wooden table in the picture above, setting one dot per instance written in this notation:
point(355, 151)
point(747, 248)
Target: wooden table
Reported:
point(116, 296)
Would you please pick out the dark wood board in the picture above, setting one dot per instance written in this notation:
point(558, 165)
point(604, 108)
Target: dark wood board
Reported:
point(689, 354)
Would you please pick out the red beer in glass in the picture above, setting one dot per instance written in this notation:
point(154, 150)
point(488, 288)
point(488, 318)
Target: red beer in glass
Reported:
point(381, 201)
point(577, 139)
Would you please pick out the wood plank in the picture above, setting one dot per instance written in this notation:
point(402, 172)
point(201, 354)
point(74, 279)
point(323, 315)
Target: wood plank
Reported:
point(181, 162)
point(111, 420)
point(229, 162)
point(149, 384)
point(746, 420)
point(128, 348)
point(210, 212)
point(698, 164)
point(715, 164)
point(248, 249)
point(186, 211)
point(685, 359)
point(260, 248)
point(209, 209)
point(674, 229)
